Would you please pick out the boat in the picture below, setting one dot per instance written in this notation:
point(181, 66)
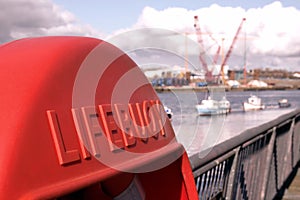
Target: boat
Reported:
point(253, 103)
point(168, 112)
point(284, 103)
point(213, 107)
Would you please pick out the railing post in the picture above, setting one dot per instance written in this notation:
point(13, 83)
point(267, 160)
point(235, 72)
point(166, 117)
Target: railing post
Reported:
point(296, 141)
point(268, 165)
point(292, 131)
point(232, 174)
point(288, 166)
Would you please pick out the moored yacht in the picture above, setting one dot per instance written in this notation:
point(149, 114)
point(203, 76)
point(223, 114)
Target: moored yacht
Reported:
point(283, 103)
point(253, 103)
point(213, 107)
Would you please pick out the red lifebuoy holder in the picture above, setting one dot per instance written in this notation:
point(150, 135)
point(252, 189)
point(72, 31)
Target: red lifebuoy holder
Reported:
point(79, 120)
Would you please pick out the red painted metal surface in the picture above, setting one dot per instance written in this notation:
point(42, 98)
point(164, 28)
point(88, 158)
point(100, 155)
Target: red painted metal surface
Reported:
point(52, 145)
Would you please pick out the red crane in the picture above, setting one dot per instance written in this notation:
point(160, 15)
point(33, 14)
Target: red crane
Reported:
point(230, 49)
point(208, 73)
point(216, 57)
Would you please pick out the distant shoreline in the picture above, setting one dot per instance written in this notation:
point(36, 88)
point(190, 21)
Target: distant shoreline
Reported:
point(226, 88)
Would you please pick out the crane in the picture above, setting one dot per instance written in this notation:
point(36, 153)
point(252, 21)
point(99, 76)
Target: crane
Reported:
point(230, 50)
point(208, 73)
point(216, 56)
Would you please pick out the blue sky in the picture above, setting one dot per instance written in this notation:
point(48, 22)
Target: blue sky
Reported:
point(111, 15)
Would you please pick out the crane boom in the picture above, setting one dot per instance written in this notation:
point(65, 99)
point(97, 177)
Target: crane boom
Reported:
point(208, 73)
point(216, 57)
point(230, 49)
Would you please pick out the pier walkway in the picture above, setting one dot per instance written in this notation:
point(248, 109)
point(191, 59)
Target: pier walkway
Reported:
point(293, 189)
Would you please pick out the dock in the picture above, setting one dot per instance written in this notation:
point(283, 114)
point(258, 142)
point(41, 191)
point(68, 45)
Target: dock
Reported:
point(221, 87)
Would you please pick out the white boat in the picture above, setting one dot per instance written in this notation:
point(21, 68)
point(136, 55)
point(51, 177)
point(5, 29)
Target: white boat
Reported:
point(284, 103)
point(168, 112)
point(213, 107)
point(253, 103)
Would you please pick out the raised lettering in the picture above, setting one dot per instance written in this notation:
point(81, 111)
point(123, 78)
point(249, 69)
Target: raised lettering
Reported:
point(153, 115)
point(108, 128)
point(140, 126)
point(159, 117)
point(64, 155)
point(81, 132)
point(147, 117)
point(93, 128)
point(112, 131)
point(126, 124)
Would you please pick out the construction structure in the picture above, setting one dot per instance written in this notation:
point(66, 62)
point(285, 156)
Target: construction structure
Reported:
point(224, 61)
point(209, 72)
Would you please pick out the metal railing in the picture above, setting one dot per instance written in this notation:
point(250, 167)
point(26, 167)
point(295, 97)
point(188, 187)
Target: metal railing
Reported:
point(253, 165)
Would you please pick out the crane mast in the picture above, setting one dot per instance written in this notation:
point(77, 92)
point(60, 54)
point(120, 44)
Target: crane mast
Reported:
point(230, 50)
point(208, 73)
point(216, 57)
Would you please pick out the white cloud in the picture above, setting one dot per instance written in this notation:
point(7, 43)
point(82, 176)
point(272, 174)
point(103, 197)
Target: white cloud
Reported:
point(276, 28)
point(27, 18)
point(272, 31)
point(172, 18)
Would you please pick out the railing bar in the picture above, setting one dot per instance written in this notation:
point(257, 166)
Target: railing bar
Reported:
point(219, 177)
point(226, 173)
point(293, 145)
point(256, 162)
point(214, 177)
point(233, 174)
point(206, 184)
point(212, 164)
point(225, 176)
point(245, 169)
point(198, 183)
point(211, 190)
point(247, 143)
point(268, 165)
point(264, 168)
point(253, 166)
point(284, 123)
point(255, 187)
point(251, 172)
point(244, 155)
point(202, 184)
point(213, 182)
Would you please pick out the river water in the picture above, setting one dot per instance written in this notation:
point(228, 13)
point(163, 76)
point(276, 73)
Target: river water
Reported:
point(197, 133)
